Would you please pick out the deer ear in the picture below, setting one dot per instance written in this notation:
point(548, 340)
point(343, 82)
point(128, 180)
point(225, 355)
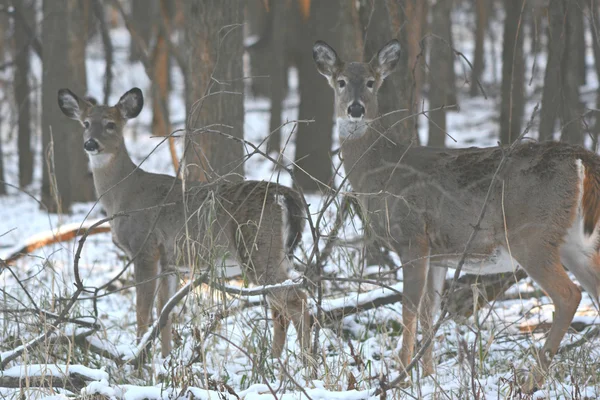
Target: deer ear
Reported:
point(326, 59)
point(71, 105)
point(131, 103)
point(92, 100)
point(387, 58)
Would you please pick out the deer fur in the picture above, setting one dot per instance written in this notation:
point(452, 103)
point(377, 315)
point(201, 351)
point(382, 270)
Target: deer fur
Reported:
point(423, 202)
point(257, 223)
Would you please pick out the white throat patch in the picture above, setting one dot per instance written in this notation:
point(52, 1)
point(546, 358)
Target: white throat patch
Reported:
point(99, 160)
point(349, 129)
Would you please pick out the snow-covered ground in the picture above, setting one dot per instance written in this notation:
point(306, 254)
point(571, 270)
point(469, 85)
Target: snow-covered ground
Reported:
point(222, 346)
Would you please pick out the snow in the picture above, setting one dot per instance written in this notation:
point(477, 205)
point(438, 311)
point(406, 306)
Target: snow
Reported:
point(58, 370)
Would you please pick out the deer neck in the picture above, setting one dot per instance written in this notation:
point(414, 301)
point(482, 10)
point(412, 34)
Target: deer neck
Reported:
point(113, 173)
point(366, 154)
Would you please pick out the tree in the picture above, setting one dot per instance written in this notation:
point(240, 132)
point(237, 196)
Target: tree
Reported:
point(440, 83)
point(313, 164)
point(481, 19)
point(512, 105)
point(560, 98)
point(22, 89)
point(82, 184)
point(142, 13)
point(214, 100)
point(160, 71)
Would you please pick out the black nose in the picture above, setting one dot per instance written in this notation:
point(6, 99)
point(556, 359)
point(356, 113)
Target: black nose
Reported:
point(91, 145)
point(356, 110)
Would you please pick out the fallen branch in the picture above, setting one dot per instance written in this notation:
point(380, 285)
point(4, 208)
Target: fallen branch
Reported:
point(70, 377)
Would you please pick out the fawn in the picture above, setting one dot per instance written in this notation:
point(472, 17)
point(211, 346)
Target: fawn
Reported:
point(423, 202)
point(258, 223)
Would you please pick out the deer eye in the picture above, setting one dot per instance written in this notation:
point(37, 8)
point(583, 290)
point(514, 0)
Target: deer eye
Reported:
point(86, 124)
point(341, 83)
point(370, 84)
point(111, 126)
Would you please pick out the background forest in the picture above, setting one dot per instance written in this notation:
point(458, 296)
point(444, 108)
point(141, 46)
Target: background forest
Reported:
point(231, 88)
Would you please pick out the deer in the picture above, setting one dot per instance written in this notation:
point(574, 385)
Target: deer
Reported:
point(258, 223)
point(423, 202)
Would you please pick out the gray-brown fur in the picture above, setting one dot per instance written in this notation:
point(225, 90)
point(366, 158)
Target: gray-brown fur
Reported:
point(423, 203)
point(203, 226)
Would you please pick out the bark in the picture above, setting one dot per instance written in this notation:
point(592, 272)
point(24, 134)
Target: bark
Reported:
point(82, 184)
point(142, 13)
point(513, 73)
point(214, 91)
point(160, 72)
point(595, 34)
point(56, 74)
point(440, 81)
point(22, 90)
point(314, 140)
point(481, 7)
point(260, 20)
point(2, 178)
point(277, 70)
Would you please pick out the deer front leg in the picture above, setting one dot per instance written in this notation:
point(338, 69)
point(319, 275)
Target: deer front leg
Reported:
point(430, 305)
point(166, 290)
point(145, 290)
point(280, 328)
point(414, 271)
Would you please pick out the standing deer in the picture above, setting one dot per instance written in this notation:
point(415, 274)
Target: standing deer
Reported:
point(423, 202)
point(259, 223)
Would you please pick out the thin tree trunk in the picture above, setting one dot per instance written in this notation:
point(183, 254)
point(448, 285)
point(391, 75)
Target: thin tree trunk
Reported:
point(214, 92)
point(440, 84)
point(142, 13)
point(56, 129)
point(513, 73)
point(481, 7)
point(314, 140)
point(160, 71)
point(22, 91)
point(595, 33)
point(82, 184)
point(551, 96)
point(2, 178)
point(278, 71)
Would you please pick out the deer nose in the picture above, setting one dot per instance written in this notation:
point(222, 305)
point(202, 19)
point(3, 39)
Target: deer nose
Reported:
point(356, 110)
point(91, 145)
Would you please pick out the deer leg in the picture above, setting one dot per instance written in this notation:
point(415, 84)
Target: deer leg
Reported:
point(430, 305)
point(415, 277)
point(549, 273)
point(166, 290)
point(145, 290)
point(280, 328)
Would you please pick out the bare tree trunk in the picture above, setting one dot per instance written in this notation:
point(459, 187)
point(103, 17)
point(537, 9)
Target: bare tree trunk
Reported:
point(481, 7)
point(440, 81)
point(314, 140)
point(82, 184)
point(2, 178)
point(512, 107)
point(22, 91)
point(259, 20)
point(160, 71)
point(595, 33)
point(214, 92)
point(142, 13)
point(578, 40)
point(56, 129)
point(277, 70)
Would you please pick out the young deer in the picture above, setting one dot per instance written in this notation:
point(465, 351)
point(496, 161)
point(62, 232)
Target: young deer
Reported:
point(259, 223)
point(423, 202)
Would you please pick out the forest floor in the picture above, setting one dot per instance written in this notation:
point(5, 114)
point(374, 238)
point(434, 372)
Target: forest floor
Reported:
point(222, 345)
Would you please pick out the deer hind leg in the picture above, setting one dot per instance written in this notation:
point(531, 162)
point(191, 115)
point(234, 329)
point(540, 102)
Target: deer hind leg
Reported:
point(544, 267)
point(280, 327)
point(166, 290)
point(146, 267)
point(290, 305)
point(414, 271)
point(430, 305)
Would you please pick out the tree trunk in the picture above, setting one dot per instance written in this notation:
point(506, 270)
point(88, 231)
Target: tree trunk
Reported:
point(572, 108)
point(160, 71)
point(277, 70)
point(214, 92)
point(313, 164)
point(82, 184)
point(259, 20)
point(56, 129)
point(440, 82)
point(2, 178)
point(142, 13)
point(513, 73)
point(578, 41)
point(22, 91)
point(481, 7)
point(595, 33)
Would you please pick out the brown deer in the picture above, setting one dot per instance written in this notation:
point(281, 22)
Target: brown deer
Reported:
point(423, 202)
point(257, 223)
